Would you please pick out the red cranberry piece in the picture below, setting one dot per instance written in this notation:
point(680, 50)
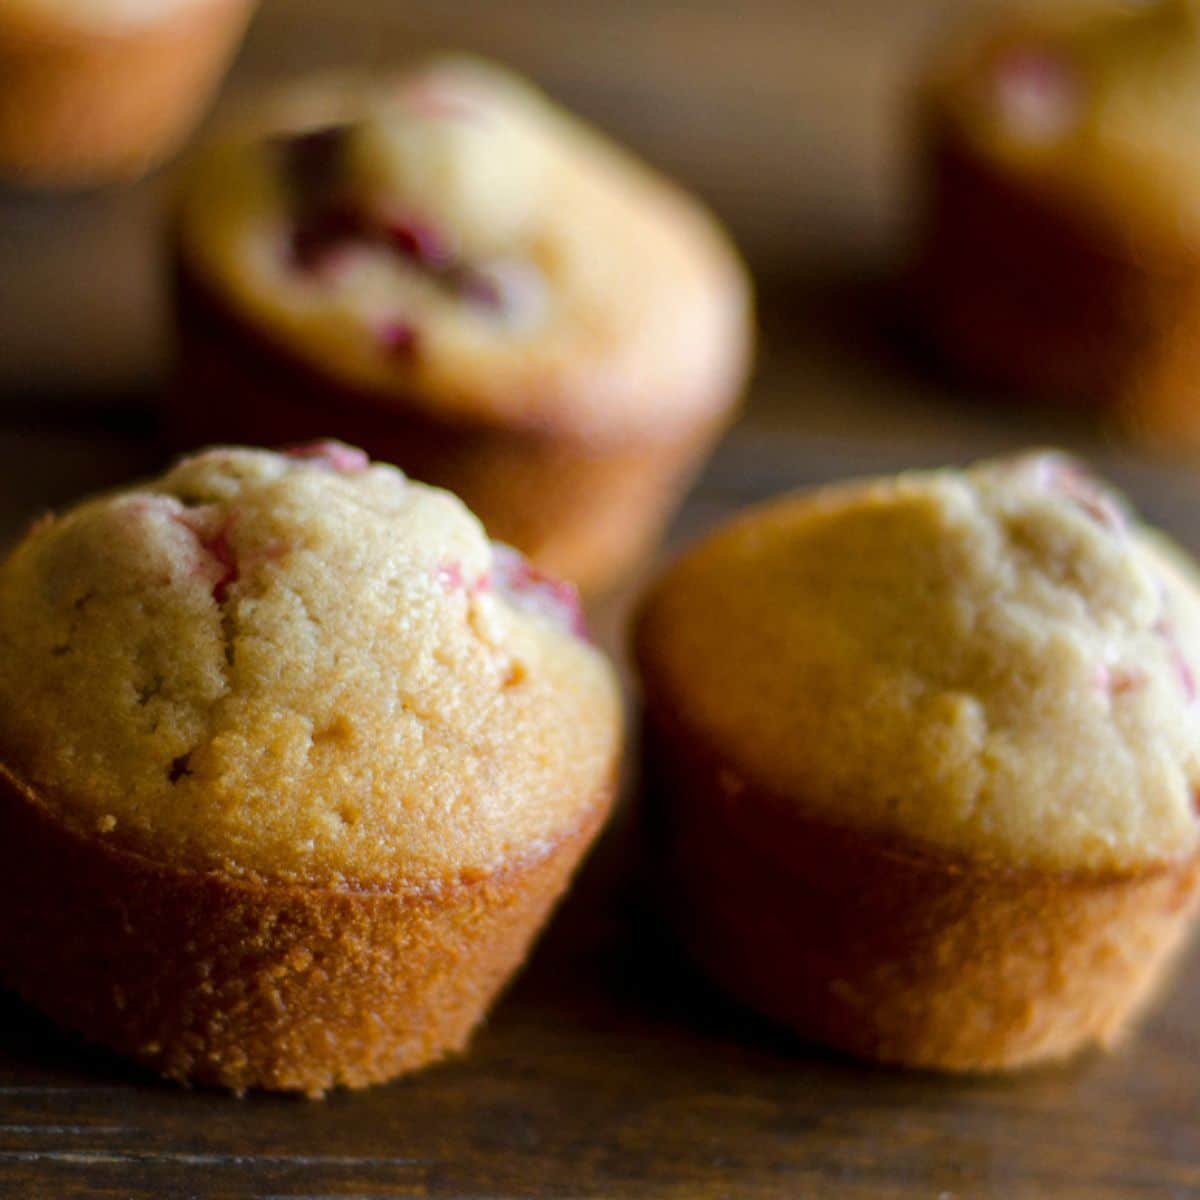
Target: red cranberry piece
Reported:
point(323, 233)
point(450, 576)
point(530, 590)
point(1036, 91)
point(1183, 668)
point(453, 578)
point(222, 562)
point(399, 338)
point(337, 456)
point(417, 240)
point(222, 551)
point(1187, 677)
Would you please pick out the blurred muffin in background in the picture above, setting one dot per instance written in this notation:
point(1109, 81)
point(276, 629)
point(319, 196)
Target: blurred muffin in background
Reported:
point(1060, 252)
point(93, 91)
point(447, 269)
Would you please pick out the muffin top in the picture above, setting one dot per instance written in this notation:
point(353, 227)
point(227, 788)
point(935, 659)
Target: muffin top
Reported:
point(999, 662)
point(449, 237)
point(300, 666)
point(1101, 97)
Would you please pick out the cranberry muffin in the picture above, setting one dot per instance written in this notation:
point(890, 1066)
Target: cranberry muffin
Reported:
point(926, 751)
point(1060, 248)
point(97, 90)
point(443, 266)
point(294, 765)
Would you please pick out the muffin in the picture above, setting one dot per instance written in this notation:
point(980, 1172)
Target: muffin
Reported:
point(447, 269)
point(1060, 243)
point(925, 753)
point(294, 765)
point(97, 90)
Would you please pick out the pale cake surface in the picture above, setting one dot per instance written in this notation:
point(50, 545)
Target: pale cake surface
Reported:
point(1099, 100)
point(300, 668)
point(999, 663)
point(510, 264)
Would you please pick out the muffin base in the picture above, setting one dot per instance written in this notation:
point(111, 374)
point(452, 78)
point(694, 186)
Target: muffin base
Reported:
point(585, 511)
point(1025, 287)
point(248, 983)
point(895, 953)
point(79, 108)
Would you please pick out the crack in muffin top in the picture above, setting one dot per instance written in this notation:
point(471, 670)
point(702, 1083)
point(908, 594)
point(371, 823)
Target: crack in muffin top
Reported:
point(300, 666)
point(449, 237)
point(999, 662)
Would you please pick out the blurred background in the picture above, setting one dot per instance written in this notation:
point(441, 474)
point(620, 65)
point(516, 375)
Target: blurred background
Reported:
point(791, 119)
point(787, 116)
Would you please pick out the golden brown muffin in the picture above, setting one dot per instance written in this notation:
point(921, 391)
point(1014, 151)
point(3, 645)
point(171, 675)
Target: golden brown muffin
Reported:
point(926, 752)
point(1060, 249)
point(447, 269)
point(97, 90)
point(295, 764)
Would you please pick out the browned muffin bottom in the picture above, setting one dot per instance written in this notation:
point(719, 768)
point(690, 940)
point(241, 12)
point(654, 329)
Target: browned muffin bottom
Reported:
point(895, 951)
point(243, 982)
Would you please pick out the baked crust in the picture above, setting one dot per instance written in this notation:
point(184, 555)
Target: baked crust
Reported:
point(889, 950)
point(252, 983)
point(1032, 288)
point(579, 508)
point(78, 107)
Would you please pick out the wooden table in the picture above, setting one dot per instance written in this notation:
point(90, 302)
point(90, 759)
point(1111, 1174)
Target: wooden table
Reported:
point(609, 1069)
